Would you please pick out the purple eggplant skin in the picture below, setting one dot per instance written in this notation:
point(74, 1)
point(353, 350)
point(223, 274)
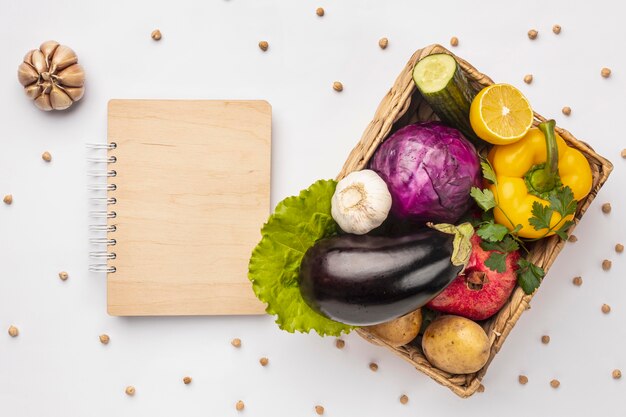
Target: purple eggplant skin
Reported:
point(366, 280)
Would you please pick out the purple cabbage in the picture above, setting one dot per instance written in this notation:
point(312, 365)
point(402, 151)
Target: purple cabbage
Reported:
point(429, 169)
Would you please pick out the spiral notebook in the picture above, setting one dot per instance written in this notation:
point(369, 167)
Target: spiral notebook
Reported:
point(190, 186)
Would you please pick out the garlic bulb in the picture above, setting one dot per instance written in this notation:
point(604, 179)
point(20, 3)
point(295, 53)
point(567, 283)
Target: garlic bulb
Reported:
point(361, 202)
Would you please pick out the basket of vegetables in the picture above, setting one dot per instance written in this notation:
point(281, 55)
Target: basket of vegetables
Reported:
point(440, 227)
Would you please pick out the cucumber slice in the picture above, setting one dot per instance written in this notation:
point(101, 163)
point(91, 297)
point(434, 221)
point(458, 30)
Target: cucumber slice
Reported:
point(446, 89)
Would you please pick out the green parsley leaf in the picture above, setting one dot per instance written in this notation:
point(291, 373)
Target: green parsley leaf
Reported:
point(541, 216)
point(507, 245)
point(562, 201)
point(517, 229)
point(484, 198)
point(529, 276)
point(562, 231)
point(297, 223)
point(492, 232)
point(496, 262)
point(488, 172)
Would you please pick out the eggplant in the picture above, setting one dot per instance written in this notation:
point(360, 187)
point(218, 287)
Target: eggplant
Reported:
point(366, 280)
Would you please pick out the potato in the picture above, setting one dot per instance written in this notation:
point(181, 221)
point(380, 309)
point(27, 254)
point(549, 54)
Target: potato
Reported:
point(400, 331)
point(456, 345)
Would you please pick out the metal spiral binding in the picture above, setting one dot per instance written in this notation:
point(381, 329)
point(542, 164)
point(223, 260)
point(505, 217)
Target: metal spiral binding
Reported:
point(101, 256)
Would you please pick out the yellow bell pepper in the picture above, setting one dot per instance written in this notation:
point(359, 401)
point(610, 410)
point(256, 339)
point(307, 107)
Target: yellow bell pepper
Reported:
point(528, 170)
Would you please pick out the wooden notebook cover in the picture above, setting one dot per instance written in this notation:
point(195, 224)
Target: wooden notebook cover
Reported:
point(193, 189)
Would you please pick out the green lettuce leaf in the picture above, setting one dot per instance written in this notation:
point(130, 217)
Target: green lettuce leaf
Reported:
point(297, 223)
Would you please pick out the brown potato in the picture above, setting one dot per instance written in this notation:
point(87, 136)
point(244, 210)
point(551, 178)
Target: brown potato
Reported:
point(400, 331)
point(456, 345)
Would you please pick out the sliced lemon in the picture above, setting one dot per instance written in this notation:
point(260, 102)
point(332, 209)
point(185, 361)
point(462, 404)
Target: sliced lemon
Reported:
point(500, 114)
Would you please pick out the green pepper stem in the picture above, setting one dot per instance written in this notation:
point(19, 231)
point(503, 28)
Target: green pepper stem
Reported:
point(545, 180)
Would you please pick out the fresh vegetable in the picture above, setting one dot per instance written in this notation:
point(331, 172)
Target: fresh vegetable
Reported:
point(479, 292)
point(446, 90)
point(500, 114)
point(456, 345)
point(297, 223)
point(537, 183)
point(400, 331)
point(361, 202)
point(366, 280)
point(429, 169)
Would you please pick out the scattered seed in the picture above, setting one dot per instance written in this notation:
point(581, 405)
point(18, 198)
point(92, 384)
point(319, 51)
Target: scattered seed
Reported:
point(523, 379)
point(337, 86)
point(623, 153)
point(104, 339)
point(528, 78)
point(156, 35)
point(8, 199)
point(340, 343)
point(481, 388)
point(619, 248)
point(556, 29)
point(404, 399)
point(187, 380)
point(578, 281)
point(566, 110)
point(319, 11)
point(454, 41)
point(572, 238)
point(13, 331)
point(46, 156)
point(606, 309)
point(617, 374)
point(606, 208)
point(545, 339)
point(319, 410)
point(605, 72)
point(532, 34)
point(264, 361)
point(240, 405)
point(130, 390)
point(555, 383)
point(374, 366)
point(606, 264)
point(236, 342)
point(64, 275)
point(383, 42)
point(264, 45)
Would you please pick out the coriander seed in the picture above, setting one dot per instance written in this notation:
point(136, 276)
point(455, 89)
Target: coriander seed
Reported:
point(566, 110)
point(555, 383)
point(532, 34)
point(623, 153)
point(454, 41)
point(606, 264)
point(383, 42)
point(572, 238)
point(617, 374)
point(605, 72)
point(374, 366)
point(156, 35)
point(13, 331)
point(340, 343)
point(606, 208)
point(523, 379)
point(556, 29)
point(404, 399)
point(264, 361)
point(63, 275)
point(578, 281)
point(481, 388)
point(236, 342)
point(319, 410)
point(46, 156)
point(319, 11)
point(619, 248)
point(337, 86)
point(8, 199)
point(545, 339)
point(264, 45)
point(606, 309)
point(130, 390)
point(528, 78)
point(104, 339)
point(187, 380)
point(240, 405)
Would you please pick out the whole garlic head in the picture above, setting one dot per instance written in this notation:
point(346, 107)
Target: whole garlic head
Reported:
point(52, 77)
point(361, 202)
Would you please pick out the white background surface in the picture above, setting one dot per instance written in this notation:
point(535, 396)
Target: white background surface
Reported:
point(57, 367)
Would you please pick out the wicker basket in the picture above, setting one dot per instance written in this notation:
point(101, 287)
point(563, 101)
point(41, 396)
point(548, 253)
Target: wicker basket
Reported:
point(404, 105)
